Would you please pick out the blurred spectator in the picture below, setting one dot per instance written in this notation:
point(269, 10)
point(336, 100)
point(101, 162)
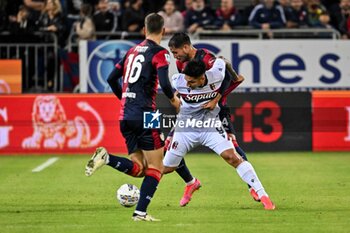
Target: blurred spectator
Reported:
point(284, 4)
point(115, 5)
point(37, 5)
point(329, 3)
point(3, 15)
point(227, 15)
point(267, 16)
point(335, 13)
point(91, 2)
point(85, 27)
point(103, 19)
point(247, 11)
point(11, 8)
point(52, 20)
point(344, 25)
point(73, 8)
point(133, 17)
point(297, 15)
point(318, 15)
point(23, 23)
point(199, 17)
point(180, 5)
point(173, 20)
point(125, 4)
point(188, 7)
point(151, 6)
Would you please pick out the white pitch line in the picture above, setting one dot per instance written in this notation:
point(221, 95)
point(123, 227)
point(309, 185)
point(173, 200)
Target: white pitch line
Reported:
point(49, 162)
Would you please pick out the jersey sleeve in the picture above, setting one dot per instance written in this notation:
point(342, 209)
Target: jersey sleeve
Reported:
point(209, 60)
point(161, 59)
point(218, 69)
point(120, 64)
point(161, 62)
point(175, 81)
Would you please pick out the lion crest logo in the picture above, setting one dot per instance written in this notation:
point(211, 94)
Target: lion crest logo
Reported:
point(53, 130)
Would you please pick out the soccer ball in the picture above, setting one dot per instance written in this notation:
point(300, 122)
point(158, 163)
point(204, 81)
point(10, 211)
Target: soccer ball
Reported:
point(128, 195)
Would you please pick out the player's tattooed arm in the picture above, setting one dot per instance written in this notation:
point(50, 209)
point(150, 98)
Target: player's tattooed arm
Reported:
point(233, 74)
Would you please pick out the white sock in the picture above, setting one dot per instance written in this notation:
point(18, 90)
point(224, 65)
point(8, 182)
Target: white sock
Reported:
point(107, 159)
point(140, 212)
point(246, 171)
point(191, 182)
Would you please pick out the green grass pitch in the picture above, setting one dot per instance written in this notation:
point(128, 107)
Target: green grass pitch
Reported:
point(310, 190)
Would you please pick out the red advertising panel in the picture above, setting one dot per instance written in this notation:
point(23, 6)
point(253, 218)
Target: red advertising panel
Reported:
point(64, 123)
point(279, 121)
point(331, 120)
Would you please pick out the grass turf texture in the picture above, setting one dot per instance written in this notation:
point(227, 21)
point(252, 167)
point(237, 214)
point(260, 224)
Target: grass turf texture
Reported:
point(310, 190)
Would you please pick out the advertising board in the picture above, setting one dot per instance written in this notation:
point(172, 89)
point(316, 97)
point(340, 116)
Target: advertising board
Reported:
point(63, 123)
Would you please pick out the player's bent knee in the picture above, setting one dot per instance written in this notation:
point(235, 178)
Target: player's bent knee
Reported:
point(167, 170)
point(140, 165)
point(138, 170)
point(231, 157)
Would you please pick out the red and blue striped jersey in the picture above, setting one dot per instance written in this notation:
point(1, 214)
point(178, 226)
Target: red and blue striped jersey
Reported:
point(140, 68)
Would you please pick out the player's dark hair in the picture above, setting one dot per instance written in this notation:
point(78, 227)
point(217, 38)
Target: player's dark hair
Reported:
point(178, 40)
point(154, 23)
point(195, 68)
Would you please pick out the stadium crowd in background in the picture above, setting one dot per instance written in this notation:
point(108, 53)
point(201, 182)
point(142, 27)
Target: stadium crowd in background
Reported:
point(62, 16)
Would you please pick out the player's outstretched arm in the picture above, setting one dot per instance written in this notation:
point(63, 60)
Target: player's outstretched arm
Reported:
point(164, 82)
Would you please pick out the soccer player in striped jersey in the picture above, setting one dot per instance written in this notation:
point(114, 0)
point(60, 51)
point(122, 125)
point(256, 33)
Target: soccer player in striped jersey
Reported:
point(142, 68)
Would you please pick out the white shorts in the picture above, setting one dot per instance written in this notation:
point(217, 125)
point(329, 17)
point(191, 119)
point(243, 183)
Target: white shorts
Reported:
point(183, 142)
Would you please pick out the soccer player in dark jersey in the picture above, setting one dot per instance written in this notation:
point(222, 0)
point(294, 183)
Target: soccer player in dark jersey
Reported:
point(181, 47)
point(142, 68)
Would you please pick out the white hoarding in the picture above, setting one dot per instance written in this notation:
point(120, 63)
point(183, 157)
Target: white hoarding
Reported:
point(266, 64)
point(286, 63)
